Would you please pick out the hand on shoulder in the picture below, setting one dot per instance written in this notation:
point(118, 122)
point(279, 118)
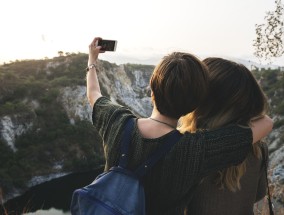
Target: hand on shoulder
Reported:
point(261, 127)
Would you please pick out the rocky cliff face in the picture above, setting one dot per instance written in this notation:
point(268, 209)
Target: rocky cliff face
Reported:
point(124, 86)
point(74, 100)
point(45, 118)
point(128, 86)
point(276, 164)
point(13, 126)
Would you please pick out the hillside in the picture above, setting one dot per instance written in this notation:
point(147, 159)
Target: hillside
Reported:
point(45, 119)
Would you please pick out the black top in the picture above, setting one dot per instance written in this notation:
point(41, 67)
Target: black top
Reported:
point(211, 199)
point(169, 185)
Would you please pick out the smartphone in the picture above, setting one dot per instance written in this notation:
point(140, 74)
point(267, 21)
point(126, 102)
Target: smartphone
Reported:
point(107, 45)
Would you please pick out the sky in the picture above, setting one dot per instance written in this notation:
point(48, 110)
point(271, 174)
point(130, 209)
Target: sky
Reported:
point(145, 30)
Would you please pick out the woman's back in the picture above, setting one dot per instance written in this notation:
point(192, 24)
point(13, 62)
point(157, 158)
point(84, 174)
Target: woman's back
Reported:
point(178, 86)
point(170, 183)
point(234, 97)
point(211, 199)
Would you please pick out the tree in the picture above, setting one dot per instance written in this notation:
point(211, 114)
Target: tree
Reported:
point(60, 53)
point(269, 36)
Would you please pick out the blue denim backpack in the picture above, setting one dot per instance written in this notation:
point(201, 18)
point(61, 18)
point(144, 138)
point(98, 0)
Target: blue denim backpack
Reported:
point(119, 191)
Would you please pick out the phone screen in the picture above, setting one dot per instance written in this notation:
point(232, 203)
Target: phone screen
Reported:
point(107, 45)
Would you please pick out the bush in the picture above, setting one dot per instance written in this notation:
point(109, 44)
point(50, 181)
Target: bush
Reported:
point(10, 108)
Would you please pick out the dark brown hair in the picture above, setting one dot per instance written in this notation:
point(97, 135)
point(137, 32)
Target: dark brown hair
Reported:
point(179, 84)
point(234, 97)
point(232, 89)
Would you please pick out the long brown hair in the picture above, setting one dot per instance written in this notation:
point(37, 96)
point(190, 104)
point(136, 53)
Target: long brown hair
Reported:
point(234, 97)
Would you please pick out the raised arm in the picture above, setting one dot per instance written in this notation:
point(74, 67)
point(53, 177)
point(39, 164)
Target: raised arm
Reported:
point(93, 86)
point(261, 127)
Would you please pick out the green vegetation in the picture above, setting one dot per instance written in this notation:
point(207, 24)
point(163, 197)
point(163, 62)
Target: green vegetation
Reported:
point(107, 65)
point(131, 67)
point(272, 83)
point(53, 144)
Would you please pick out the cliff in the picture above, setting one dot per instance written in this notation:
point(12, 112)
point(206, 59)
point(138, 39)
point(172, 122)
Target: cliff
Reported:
point(45, 119)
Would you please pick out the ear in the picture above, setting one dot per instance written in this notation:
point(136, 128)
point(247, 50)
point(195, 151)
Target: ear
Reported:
point(152, 98)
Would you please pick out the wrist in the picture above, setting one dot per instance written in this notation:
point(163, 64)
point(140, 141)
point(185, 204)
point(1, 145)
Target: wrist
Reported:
point(92, 60)
point(92, 66)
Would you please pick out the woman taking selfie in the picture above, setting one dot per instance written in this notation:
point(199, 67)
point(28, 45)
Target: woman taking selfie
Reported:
point(179, 85)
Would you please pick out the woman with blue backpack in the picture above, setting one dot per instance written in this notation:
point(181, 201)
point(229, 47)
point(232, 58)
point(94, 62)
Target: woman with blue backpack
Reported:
point(179, 84)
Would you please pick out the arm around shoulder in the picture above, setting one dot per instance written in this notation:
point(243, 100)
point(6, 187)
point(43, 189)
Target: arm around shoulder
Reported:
point(261, 127)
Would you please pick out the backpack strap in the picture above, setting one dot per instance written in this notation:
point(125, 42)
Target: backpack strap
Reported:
point(125, 142)
point(161, 151)
point(265, 159)
point(158, 154)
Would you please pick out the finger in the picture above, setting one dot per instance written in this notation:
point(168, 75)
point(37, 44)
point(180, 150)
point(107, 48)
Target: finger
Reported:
point(94, 42)
point(99, 48)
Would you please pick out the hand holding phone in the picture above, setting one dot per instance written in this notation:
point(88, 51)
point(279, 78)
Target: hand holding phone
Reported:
point(107, 45)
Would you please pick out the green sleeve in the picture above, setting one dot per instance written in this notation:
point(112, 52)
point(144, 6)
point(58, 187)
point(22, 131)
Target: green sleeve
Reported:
point(109, 119)
point(225, 147)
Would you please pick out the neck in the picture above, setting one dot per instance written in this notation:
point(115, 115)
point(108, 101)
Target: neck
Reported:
point(162, 118)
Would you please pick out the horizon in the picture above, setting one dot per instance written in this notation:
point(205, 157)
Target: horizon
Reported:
point(144, 29)
point(154, 60)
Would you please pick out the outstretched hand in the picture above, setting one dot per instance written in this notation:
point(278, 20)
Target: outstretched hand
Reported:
point(94, 51)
